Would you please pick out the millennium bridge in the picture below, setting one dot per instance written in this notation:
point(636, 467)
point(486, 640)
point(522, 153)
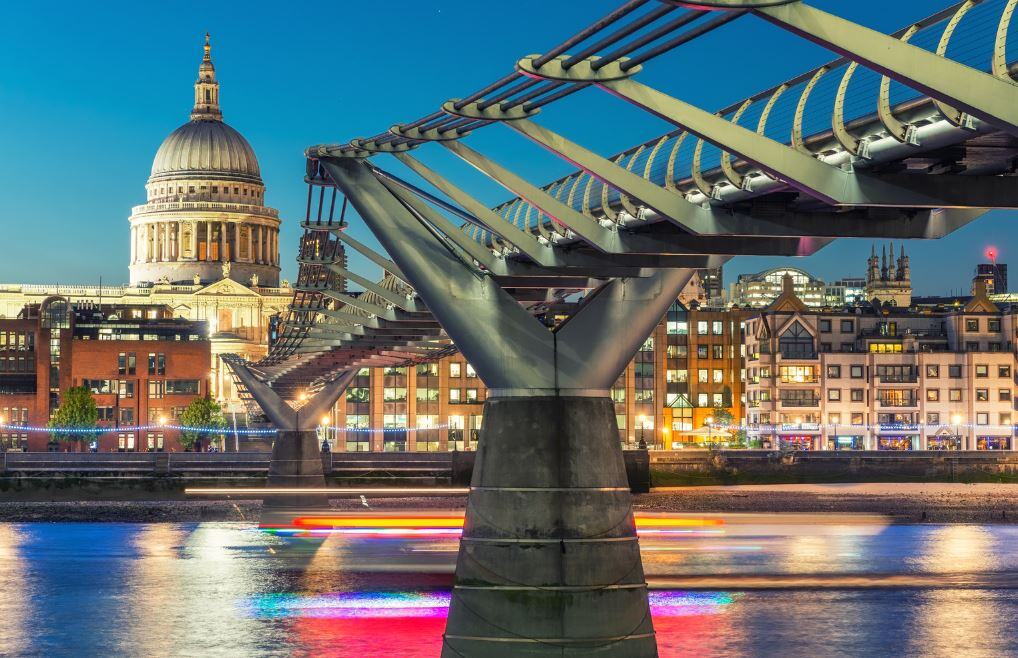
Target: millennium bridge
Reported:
point(550, 293)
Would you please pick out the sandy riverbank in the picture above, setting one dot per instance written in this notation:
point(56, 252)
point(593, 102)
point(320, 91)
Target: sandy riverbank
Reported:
point(905, 503)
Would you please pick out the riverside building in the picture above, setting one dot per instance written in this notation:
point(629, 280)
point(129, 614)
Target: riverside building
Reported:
point(143, 366)
point(882, 377)
point(690, 368)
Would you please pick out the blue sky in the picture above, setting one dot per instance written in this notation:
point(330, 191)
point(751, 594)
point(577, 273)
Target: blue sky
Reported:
point(89, 90)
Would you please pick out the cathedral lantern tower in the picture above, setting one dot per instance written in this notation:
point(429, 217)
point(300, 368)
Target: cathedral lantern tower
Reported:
point(888, 281)
point(205, 218)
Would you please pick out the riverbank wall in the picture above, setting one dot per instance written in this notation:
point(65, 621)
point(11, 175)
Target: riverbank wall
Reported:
point(165, 476)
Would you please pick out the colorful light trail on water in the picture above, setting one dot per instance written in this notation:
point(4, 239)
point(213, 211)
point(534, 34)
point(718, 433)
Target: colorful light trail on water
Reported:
point(435, 604)
point(450, 524)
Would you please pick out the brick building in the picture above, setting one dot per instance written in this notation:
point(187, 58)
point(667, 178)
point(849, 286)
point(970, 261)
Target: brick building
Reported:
point(142, 365)
point(689, 367)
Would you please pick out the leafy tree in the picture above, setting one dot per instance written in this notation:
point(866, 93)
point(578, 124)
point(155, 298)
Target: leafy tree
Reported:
point(722, 417)
point(77, 411)
point(202, 414)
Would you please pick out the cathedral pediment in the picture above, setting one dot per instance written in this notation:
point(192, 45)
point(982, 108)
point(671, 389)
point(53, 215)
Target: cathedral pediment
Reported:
point(226, 287)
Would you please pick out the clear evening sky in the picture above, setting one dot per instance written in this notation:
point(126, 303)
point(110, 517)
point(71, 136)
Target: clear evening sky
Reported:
point(89, 90)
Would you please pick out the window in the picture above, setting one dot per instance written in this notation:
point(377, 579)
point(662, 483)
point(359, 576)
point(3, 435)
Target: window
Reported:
point(954, 395)
point(717, 327)
point(954, 372)
point(156, 364)
point(702, 375)
point(718, 351)
point(982, 371)
point(643, 396)
point(125, 440)
point(182, 387)
point(1004, 394)
point(425, 394)
point(701, 351)
point(982, 395)
point(358, 394)
point(933, 418)
point(933, 395)
point(702, 400)
point(155, 389)
point(856, 372)
point(932, 371)
point(982, 419)
point(993, 324)
point(127, 363)
point(825, 326)
point(972, 324)
point(847, 326)
point(394, 394)
point(1004, 371)
point(834, 372)
point(125, 389)
point(719, 400)
point(470, 371)
point(858, 395)
point(1005, 419)
point(472, 395)
point(701, 328)
point(454, 369)
point(105, 414)
point(718, 376)
point(427, 370)
point(834, 394)
point(644, 369)
point(126, 416)
point(454, 395)
point(676, 376)
point(796, 343)
point(857, 419)
point(826, 348)
point(677, 328)
point(797, 374)
point(155, 441)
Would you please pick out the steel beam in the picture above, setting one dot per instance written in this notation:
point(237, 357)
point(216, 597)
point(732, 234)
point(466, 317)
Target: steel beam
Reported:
point(469, 305)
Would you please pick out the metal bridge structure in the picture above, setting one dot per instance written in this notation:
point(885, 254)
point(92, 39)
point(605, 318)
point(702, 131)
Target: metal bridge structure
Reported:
point(906, 135)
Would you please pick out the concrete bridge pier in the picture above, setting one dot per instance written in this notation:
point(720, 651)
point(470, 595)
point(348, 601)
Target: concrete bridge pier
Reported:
point(549, 563)
point(296, 454)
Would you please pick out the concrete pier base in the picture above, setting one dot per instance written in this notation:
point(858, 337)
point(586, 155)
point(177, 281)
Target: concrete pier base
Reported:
point(296, 463)
point(549, 563)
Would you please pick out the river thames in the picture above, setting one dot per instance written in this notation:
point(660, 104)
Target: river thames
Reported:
point(721, 585)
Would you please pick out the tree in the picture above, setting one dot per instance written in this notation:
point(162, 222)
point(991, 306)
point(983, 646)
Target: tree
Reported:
point(77, 411)
point(204, 416)
point(722, 417)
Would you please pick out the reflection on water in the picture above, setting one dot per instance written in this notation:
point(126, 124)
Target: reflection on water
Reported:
point(778, 586)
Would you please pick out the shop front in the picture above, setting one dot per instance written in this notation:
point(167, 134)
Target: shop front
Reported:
point(846, 442)
point(943, 442)
point(796, 441)
point(896, 442)
point(993, 443)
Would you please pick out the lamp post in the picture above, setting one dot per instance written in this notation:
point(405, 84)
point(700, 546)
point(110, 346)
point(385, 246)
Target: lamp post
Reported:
point(326, 446)
point(708, 423)
point(956, 421)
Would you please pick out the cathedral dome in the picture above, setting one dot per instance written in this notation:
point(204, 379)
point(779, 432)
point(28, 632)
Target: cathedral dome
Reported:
point(208, 149)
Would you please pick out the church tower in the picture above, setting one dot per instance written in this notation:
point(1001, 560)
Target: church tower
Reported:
point(889, 281)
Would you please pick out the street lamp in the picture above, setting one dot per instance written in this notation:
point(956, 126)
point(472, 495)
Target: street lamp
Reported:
point(709, 422)
point(326, 446)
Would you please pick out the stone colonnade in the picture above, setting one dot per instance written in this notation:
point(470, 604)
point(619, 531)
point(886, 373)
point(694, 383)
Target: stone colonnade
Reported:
point(154, 242)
